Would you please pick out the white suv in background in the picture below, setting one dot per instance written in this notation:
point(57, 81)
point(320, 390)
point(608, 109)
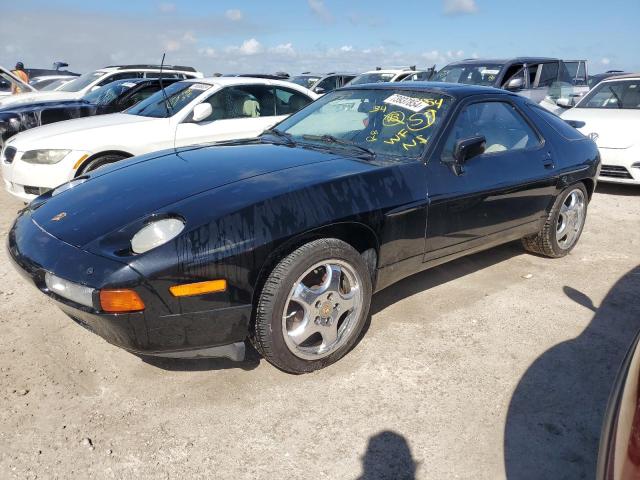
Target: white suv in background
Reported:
point(189, 112)
point(392, 75)
point(83, 84)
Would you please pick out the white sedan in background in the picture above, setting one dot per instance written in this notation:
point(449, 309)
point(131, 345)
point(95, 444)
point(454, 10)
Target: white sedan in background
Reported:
point(611, 116)
point(187, 113)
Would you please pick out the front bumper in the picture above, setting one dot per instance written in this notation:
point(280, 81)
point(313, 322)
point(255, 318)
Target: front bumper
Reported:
point(27, 181)
point(154, 331)
point(618, 165)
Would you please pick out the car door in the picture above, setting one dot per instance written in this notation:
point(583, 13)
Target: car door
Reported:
point(500, 194)
point(242, 111)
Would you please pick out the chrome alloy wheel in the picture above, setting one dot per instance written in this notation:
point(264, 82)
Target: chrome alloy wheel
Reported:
point(322, 309)
point(570, 219)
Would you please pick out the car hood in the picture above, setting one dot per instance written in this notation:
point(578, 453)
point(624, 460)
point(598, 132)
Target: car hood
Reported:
point(136, 188)
point(614, 128)
point(59, 134)
point(37, 105)
point(37, 96)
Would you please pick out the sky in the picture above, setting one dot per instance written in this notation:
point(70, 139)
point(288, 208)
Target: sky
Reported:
point(249, 36)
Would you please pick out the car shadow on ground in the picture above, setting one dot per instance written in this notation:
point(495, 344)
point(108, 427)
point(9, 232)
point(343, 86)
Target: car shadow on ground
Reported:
point(251, 361)
point(388, 456)
point(618, 189)
point(442, 274)
point(555, 415)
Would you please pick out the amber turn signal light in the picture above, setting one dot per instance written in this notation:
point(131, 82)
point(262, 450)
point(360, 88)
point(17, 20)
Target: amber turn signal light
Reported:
point(199, 288)
point(120, 301)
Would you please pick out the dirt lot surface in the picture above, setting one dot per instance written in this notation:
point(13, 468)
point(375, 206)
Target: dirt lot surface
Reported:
point(494, 366)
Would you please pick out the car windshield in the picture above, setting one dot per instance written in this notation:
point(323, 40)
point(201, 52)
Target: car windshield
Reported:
point(80, 82)
point(377, 77)
point(107, 94)
point(388, 122)
point(55, 84)
point(621, 94)
point(470, 74)
point(305, 80)
point(175, 97)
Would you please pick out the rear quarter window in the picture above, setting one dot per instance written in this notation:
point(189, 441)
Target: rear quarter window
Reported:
point(557, 123)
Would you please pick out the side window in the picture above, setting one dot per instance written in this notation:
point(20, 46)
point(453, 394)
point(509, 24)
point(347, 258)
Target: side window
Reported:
point(515, 72)
point(328, 84)
point(119, 76)
point(548, 74)
point(289, 101)
point(346, 79)
point(140, 95)
point(499, 122)
point(164, 75)
point(250, 101)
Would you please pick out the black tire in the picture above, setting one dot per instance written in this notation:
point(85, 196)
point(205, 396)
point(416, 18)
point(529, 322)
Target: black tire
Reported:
point(545, 242)
point(100, 161)
point(268, 334)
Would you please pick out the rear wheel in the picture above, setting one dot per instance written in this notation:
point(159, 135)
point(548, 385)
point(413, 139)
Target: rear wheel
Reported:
point(313, 306)
point(563, 226)
point(101, 161)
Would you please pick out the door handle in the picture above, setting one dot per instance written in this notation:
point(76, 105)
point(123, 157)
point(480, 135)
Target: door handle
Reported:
point(548, 161)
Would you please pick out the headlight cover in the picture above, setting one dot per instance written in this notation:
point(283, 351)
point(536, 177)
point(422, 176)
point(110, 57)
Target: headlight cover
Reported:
point(156, 233)
point(66, 186)
point(44, 157)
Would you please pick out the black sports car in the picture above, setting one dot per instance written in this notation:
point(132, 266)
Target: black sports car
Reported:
point(114, 97)
point(283, 239)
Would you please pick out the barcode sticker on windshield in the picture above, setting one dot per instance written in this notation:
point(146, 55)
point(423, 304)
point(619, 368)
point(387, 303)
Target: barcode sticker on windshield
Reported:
point(410, 103)
point(200, 86)
point(128, 84)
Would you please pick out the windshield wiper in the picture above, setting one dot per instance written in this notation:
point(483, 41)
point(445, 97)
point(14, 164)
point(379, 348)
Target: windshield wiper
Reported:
point(280, 134)
point(339, 141)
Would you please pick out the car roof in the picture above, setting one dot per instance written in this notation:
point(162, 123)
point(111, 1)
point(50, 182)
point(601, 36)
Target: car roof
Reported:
point(454, 89)
point(313, 74)
point(625, 76)
point(230, 81)
point(480, 61)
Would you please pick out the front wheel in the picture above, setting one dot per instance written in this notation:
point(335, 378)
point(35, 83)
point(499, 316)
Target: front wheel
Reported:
point(563, 226)
point(313, 306)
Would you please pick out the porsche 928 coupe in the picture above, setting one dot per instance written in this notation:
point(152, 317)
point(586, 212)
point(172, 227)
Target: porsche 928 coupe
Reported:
point(281, 240)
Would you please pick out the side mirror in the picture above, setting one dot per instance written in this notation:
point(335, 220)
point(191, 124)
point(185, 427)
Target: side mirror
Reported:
point(468, 148)
point(319, 90)
point(564, 102)
point(201, 111)
point(515, 84)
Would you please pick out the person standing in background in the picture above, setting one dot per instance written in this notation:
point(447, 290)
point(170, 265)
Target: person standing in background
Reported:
point(22, 75)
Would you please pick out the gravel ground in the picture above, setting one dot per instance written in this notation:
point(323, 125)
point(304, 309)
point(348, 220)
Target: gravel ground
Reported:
point(494, 366)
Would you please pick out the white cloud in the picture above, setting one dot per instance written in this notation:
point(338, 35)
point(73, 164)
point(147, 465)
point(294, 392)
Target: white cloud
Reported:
point(455, 7)
point(172, 45)
point(283, 49)
point(208, 52)
point(346, 48)
point(248, 47)
point(234, 15)
point(320, 10)
point(165, 7)
point(189, 37)
point(605, 61)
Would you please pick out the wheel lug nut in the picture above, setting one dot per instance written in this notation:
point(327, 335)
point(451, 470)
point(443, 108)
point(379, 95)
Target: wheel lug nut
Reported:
point(318, 304)
point(317, 320)
point(330, 296)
